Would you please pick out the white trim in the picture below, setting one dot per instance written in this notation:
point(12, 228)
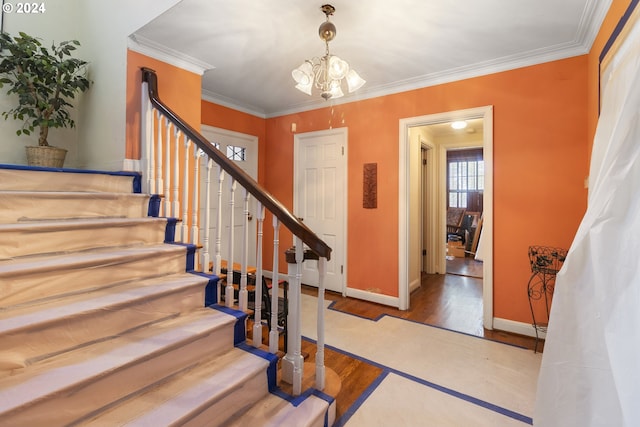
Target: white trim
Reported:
point(230, 133)
point(225, 101)
point(414, 285)
point(148, 47)
point(486, 113)
point(519, 328)
point(371, 297)
point(134, 165)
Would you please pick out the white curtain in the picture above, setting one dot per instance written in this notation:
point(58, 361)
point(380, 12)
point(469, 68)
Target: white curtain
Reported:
point(590, 374)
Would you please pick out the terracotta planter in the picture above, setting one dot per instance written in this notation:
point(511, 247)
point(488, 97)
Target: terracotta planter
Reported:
point(47, 156)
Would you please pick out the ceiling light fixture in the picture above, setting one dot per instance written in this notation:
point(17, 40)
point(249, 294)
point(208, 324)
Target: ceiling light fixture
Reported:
point(327, 72)
point(461, 124)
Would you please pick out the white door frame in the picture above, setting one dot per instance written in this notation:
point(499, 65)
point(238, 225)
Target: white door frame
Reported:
point(340, 240)
point(486, 113)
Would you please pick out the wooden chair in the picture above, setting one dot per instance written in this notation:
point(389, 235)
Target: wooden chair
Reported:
point(454, 220)
point(266, 296)
point(266, 302)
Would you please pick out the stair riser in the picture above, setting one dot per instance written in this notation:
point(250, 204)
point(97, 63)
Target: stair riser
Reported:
point(82, 399)
point(28, 285)
point(27, 180)
point(15, 207)
point(65, 237)
point(63, 334)
point(219, 411)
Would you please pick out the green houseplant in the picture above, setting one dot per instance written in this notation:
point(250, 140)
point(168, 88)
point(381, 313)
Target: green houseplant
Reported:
point(45, 81)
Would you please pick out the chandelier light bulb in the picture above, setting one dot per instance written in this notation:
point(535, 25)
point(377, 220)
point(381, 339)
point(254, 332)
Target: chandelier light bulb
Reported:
point(303, 74)
point(327, 72)
point(338, 68)
point(354, 81)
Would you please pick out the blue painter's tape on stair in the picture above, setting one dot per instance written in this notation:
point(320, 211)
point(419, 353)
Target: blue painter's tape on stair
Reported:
point(137, 183)
point(191, 255)
point(170, 230)
point(240, 333)
point(154, 206)
point(211, 289)
point(272, 370)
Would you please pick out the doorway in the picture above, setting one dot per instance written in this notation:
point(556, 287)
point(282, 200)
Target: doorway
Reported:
point(407, 193)
point(464, 190)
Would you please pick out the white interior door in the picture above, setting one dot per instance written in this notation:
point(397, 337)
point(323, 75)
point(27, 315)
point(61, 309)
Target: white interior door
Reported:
point(320, 193)
point(243, 150)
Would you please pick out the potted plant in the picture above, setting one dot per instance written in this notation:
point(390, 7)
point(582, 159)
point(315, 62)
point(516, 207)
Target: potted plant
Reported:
point(45, 81)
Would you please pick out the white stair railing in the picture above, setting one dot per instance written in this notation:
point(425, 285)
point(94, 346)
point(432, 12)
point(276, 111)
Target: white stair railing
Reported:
point(164, 161)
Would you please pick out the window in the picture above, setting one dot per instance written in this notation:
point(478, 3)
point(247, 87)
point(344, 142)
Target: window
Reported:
point(236, 153)
point(465, 179)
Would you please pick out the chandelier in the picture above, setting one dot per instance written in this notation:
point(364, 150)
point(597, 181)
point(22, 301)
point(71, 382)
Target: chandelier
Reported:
point(327, 72)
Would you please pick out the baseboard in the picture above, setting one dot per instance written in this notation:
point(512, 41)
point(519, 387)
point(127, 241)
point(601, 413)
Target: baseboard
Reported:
point(373, 297)
point(519, 328)
point(414, 285)
point(132, 165)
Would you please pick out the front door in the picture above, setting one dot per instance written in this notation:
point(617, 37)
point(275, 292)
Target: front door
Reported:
point(243, 150)
point(320, 190)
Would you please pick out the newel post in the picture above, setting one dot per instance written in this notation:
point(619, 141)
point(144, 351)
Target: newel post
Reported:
point(293, 361)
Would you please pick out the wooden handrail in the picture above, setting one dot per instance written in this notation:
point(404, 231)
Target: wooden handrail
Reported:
point(297, 227)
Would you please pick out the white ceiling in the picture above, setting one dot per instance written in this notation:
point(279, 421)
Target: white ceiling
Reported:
point(250, 46)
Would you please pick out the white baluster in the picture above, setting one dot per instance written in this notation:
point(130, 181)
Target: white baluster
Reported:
point(229, 289)
point(167, 173)
point(185, 193)
point(320, 370)
point(275, 278)
point(292, 363)
point(159, 182)
point(218, 246)
point(151, 161)
point(197, 154)
point(243, 295)
point(257, 320)
point(146, 136)
point(175, 208)
point(206, 243)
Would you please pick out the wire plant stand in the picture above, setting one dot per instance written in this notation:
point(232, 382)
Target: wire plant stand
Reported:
point(545, 263)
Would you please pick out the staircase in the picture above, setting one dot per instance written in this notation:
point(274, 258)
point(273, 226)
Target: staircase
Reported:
point(102, 324)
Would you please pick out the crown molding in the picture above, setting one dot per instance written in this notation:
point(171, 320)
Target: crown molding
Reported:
point(225, 101)
point(162, 53)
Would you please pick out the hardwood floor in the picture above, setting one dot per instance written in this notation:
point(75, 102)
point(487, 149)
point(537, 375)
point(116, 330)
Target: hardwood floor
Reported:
point(450, 301)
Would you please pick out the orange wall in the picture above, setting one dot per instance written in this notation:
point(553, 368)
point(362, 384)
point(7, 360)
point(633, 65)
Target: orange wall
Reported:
point(181, 90)
point(540, 163)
